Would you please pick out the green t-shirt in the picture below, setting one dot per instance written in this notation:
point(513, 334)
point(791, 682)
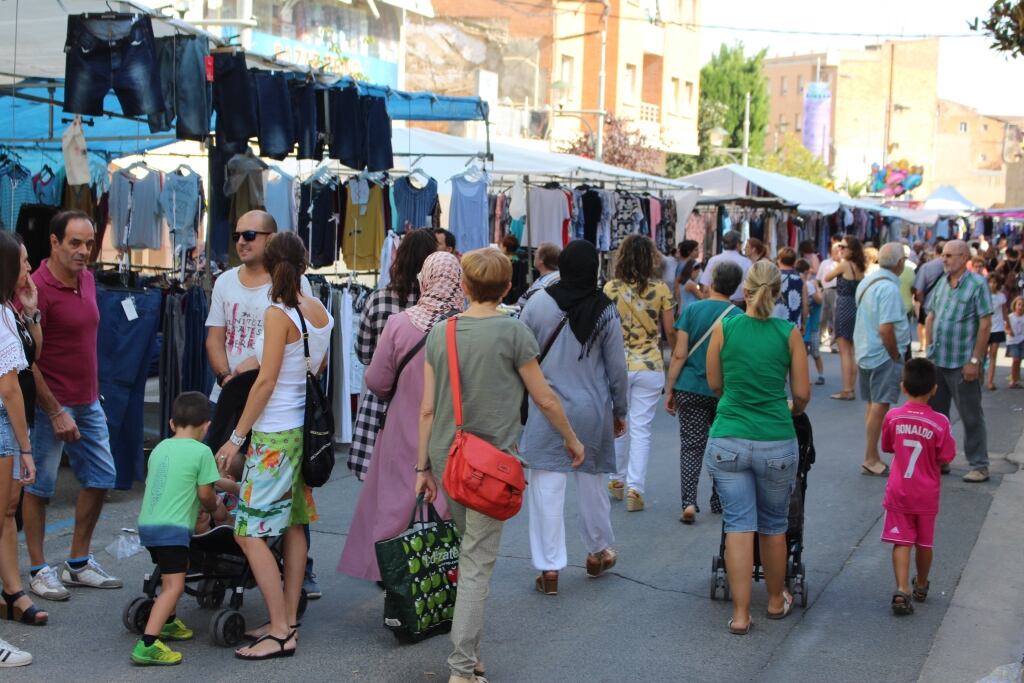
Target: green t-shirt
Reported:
point(755, 366)
point(695, 320)
point(171, 504)
point(491, 351)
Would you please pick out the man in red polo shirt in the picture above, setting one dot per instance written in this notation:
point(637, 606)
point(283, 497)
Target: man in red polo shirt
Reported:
point(69, 417)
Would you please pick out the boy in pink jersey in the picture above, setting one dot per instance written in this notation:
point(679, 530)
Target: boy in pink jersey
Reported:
point(920, 440)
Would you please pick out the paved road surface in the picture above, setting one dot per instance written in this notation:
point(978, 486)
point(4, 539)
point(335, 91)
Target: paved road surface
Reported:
point(650, 620)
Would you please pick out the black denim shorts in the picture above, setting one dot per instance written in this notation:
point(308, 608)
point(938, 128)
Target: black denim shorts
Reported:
point(172, 559)
point(111, 50)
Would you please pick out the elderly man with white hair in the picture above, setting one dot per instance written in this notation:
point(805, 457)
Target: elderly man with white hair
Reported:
point(880, 340)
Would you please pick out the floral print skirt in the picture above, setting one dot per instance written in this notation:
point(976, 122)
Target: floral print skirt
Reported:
point(273, 494)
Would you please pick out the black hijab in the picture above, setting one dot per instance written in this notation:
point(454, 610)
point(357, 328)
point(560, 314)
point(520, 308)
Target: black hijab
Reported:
point(576, 293)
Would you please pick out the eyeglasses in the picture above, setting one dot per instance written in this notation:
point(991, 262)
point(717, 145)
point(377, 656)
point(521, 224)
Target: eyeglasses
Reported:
point(247, 235)
point(844, 246)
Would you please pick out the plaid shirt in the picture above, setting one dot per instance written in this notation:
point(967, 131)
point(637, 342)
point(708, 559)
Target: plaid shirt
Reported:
point(958, 312)
point(372, 410)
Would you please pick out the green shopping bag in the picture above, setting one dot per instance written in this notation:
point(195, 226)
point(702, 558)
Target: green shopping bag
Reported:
point(420, 572)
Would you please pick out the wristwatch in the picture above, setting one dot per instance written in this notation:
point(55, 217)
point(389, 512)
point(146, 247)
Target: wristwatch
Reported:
point(220, 378)
point(973, 360)
point(36, 317)
point(236, 439)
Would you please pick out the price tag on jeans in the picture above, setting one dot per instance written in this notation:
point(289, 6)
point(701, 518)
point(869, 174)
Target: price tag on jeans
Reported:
point(128, 304)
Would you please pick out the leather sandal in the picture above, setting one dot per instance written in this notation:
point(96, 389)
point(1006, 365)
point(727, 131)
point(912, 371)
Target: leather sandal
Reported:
point(547, 583)
point(920, 593)
point(902, 604)
point(689, 515)
point(281, 652)
point(741, 631)
point(31, 615)
point(599, 563)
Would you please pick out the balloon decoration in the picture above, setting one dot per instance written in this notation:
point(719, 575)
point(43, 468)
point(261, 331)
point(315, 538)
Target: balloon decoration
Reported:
point(896, 178)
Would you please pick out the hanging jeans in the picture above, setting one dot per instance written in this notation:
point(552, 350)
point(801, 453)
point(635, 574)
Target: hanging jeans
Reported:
point(188, 96)
point(234, 99)
point(633, 448)
point(196, 374)
point(125, 348)
point(276, 127)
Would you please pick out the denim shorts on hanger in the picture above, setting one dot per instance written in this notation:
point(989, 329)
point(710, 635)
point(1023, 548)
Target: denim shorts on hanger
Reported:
point(111, 50)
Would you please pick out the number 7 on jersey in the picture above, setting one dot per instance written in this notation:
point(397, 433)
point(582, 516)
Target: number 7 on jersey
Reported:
point(916, 448)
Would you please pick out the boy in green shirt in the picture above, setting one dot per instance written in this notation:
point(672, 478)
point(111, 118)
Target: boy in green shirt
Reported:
point(180, 477)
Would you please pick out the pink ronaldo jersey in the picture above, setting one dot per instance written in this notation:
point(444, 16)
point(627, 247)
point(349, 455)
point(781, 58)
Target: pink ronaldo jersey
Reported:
point(920, 439)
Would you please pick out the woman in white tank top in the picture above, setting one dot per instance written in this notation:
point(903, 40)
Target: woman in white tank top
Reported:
point(274, 499)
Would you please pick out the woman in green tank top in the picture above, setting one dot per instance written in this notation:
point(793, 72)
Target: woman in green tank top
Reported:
point(752, 451)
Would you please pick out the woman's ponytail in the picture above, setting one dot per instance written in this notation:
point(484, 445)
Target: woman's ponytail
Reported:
point(761, 287)
point(285, 260)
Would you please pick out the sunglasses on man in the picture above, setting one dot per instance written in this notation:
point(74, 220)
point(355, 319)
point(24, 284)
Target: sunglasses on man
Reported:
point(247, 235)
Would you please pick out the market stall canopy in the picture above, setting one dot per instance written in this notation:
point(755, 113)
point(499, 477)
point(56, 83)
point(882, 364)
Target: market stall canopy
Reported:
point(736, 179)
point(511, 160)
point(948, 201)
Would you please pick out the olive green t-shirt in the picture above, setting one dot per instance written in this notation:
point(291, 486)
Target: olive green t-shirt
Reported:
point(755, 366)
point(491, 351)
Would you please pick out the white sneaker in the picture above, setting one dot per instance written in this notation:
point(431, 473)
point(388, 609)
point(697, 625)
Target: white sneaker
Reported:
point(11, 656)
point(91, 575)
point(46, 585)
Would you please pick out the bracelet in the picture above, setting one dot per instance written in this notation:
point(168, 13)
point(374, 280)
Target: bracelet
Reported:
point(236, 439)
point(55, 413)
point(26, 452)
point(424, 470)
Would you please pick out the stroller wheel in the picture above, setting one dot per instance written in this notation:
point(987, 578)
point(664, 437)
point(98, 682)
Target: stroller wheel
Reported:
point(227, 627)
point(714, 577)
point(136, 614)
point(210, 593)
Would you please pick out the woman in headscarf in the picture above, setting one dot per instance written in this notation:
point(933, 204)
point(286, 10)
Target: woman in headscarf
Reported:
point(586, 368)
point(396, 371)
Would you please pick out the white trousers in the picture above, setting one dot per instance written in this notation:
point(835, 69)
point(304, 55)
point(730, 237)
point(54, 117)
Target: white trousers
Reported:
point(545, 497)
point(633, 448)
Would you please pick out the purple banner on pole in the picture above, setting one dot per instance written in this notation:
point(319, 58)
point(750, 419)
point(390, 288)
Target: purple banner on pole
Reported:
point(817, 129)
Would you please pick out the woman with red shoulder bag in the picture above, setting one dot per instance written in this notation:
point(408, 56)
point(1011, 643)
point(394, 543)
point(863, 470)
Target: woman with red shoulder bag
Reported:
point(496, 361)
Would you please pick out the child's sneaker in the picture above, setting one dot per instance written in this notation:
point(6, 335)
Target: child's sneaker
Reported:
point(156, 654)
point(176, 630)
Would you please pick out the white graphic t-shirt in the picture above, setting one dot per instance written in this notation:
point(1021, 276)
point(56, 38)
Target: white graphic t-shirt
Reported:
point(239, 310)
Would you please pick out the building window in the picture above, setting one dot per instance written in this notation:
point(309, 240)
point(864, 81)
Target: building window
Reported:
point(783, 86)
point(677, 105)
point(566, 75)
point(689, 96)
point(782, 122)
point(800, 86)
point(984, 127)
point(631, 82)
point(984, 157)
point(796, 122)
point(768, 86)
point(963, 126)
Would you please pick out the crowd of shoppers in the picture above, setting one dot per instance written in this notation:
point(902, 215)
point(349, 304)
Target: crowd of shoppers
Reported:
point(589, 358)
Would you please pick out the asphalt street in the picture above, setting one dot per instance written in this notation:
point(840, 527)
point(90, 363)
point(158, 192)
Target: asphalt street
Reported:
point(650, 619)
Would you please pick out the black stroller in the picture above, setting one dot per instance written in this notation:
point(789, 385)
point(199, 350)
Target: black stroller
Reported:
point(216, 567)
point(796, 570)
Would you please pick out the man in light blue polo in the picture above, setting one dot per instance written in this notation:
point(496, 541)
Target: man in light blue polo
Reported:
point(880, 338)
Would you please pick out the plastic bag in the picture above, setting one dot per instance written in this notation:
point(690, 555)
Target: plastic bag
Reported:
point(125, 545)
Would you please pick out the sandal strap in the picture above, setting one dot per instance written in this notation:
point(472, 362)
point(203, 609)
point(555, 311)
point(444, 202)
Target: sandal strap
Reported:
point(11, 598)
point(281, 642)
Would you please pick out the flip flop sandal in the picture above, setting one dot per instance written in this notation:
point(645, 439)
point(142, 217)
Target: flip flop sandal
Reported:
point(741, 631)
point(281, 652)
point(871, 473)
point(787, 606)
point(902, 609)
point(921, 592)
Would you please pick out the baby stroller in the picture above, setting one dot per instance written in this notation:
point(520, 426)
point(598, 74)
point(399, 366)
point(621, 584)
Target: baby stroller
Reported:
point(796, 570)
point(216, 567)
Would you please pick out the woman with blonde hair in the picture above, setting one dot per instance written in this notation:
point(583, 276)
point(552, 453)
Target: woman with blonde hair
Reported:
point(752, 451)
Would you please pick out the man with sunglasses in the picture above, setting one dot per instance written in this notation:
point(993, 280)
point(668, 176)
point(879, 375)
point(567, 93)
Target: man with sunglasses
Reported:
point(240, 298)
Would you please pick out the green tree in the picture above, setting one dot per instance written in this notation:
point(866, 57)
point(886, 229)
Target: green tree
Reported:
point(794, 160)
point(1005, 25)
point(724, 84)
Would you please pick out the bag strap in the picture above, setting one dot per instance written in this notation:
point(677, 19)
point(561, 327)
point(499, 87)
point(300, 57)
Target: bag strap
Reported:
point(412, 354)
point(305, 340)
point(551, 340)
point(453, 371)
point(864, 292)
point(707, 332)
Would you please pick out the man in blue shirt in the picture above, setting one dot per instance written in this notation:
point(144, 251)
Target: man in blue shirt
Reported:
point(880, 339)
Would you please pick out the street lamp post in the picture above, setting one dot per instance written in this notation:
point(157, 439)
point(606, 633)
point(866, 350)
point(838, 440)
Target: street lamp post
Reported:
point(718, 136)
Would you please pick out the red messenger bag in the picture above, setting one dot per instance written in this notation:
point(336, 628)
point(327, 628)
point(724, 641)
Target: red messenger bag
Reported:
point(479, 475)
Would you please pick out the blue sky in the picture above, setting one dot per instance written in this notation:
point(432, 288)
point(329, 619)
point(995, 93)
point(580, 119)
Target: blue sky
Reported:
point(969, 72)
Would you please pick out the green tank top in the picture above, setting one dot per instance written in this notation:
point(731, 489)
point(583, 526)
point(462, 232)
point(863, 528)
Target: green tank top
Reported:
point(755, 367)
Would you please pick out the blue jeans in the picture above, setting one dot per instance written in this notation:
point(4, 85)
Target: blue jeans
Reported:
point(90, 456)
point(188, 97)
point(276, 128)
point(304, 98)
point(118, 52)
point(8, 444)
point(234, 100)
point(754, 480)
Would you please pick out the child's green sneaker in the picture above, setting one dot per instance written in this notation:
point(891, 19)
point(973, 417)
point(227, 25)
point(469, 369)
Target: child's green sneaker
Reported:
point(176, 630)
point(157, 654)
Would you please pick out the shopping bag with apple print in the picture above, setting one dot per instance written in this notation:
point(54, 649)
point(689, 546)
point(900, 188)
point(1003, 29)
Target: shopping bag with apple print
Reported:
point(420, 572)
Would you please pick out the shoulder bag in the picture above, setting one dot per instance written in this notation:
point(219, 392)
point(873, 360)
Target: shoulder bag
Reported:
point(707, 332)
point(479, 475)
point(318, 426)
point(524, 409)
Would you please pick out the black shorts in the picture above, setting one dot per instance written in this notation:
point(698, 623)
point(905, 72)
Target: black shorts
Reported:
point(171, 559)
point(997, 337)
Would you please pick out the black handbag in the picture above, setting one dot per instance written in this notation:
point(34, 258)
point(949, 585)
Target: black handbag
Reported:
point(524, 407)
point(318, 427)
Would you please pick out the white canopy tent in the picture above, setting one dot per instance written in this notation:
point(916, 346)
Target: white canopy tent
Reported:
point(734, 179)
point(947, 201)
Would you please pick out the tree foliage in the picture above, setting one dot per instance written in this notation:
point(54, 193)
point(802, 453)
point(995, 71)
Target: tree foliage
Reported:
point(794, 160)
point(1005, 25)
point(724, 84)
point(624, 146)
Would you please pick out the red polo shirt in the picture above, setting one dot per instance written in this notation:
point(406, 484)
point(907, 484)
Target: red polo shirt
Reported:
point(71, 320)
